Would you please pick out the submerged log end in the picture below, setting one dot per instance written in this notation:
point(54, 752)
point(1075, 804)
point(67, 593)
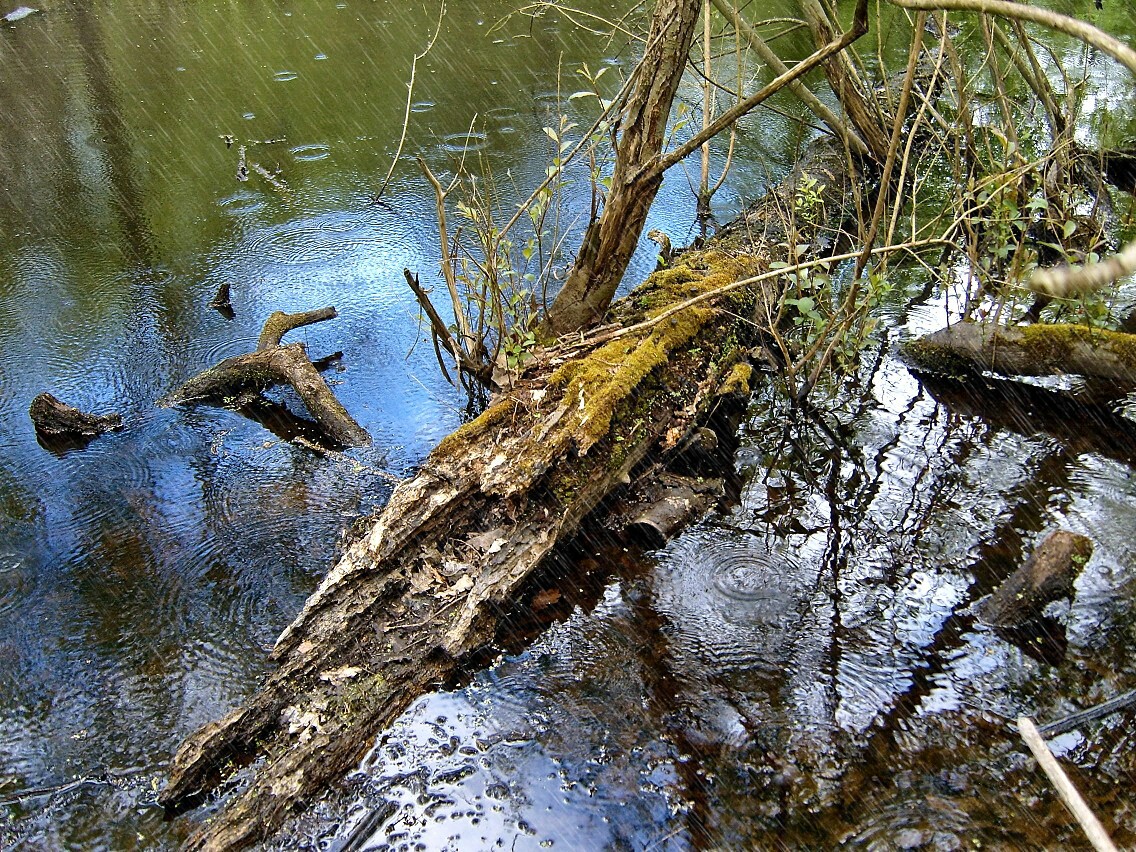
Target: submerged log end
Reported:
point(199, 760)
point(57, 419)
point(1047, 576)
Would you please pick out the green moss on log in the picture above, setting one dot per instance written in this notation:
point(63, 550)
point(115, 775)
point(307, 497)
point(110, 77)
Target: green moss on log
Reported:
point(594, 386)
point(737, 380)
point(472, 432)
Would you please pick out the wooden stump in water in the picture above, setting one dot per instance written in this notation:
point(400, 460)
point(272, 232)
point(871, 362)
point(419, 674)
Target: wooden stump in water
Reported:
point(55, 419)
point(1047, 576)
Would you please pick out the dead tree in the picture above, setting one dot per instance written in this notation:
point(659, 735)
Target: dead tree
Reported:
point(272, 364)
point(463, 543)
point(1034, 350)
point(611, 239)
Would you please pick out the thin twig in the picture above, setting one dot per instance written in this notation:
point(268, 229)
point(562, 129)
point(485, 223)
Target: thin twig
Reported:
point(410, 99)
point(661, 163)
point(793, 269)
point(1094, 831)
point(1066, 280)
point(818, 107)
point(1107, 708)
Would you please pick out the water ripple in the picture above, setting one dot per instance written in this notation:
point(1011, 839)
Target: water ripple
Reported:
point(310, 153)
point(16, 581)
point(459, 143)
point(732, 601)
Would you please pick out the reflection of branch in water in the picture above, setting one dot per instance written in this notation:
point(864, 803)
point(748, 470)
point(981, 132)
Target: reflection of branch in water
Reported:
point(664, 691)
point(997, 556)
point(1084, 423)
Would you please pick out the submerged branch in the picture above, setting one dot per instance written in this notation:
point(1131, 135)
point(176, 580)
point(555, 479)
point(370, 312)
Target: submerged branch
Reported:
point(272, 364)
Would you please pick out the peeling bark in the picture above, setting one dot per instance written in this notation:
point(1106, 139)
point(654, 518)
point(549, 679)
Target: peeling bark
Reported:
point(463, 543)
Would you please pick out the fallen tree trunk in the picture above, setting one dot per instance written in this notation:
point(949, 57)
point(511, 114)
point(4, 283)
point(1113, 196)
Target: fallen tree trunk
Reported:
point(275, 364)
point(1033, 350)
point(460, 545)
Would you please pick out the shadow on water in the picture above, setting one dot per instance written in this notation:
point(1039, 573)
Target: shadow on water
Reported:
point(804, 669)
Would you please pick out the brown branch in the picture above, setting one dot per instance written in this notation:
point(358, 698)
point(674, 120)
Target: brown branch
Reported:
point(799, 89)
point(276, 365)
point(660, 164)
point(842, 77)
point(478, 370)
point(1065, 280)
point(280, 323)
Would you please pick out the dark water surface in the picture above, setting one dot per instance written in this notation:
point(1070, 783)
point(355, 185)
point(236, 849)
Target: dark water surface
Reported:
point(801, 670)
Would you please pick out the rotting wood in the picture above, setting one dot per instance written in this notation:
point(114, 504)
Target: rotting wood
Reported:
point(53, 418)
point(426, 587)
point(221, 301)
point(275, 364)
point(1047, 576)
point(1035, 350)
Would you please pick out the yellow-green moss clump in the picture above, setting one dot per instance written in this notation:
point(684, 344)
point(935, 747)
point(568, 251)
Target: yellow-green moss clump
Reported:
point(1049, 344)
point(737, 380)
point(468, 433)
point(594, 386)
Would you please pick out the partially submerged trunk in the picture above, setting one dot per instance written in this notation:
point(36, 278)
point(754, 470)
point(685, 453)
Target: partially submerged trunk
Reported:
point(1033, 350)
point(54, 417)
point(462, 544)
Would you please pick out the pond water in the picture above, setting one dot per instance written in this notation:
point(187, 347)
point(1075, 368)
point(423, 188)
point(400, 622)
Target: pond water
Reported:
point(801, 670)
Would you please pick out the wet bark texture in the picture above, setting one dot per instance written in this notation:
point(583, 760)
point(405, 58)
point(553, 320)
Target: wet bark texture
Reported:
point(53, 418)
point(1047, 576)
point(1034, 350)
point(463, 544)
point(610, 240)
point(275, 364)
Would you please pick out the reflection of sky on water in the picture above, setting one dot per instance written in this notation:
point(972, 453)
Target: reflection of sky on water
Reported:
point(142, 579)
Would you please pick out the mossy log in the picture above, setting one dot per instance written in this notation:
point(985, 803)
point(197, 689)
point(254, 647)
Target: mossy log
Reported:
point(462, 544)
point(1033, 350)
point(275, 364)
